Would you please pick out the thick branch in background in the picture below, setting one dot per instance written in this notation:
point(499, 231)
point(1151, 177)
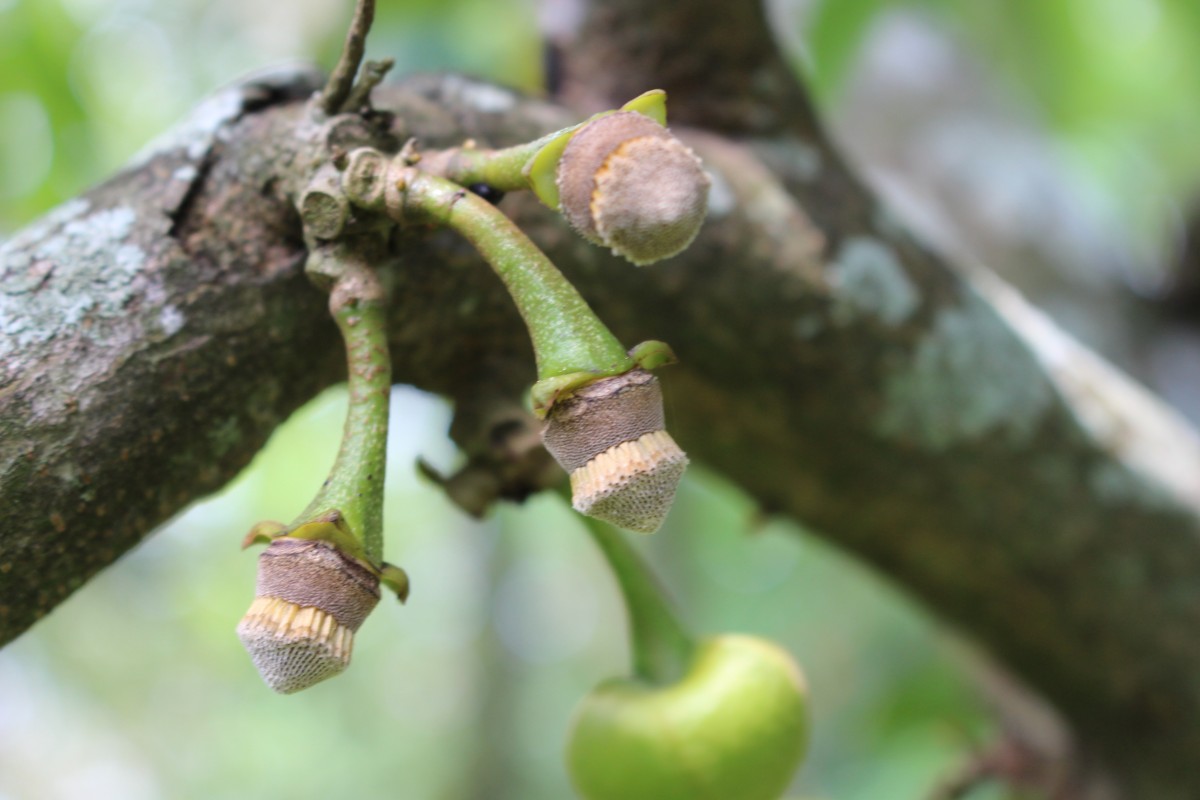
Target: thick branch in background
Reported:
point(716, 59)
point(158, 328)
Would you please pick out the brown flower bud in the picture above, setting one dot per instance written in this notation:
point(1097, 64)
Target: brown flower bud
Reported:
point(310, 599)
point(626, 183)
point(610, 437)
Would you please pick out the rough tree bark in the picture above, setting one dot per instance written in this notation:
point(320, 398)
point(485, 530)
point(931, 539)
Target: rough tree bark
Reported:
point(156, 330)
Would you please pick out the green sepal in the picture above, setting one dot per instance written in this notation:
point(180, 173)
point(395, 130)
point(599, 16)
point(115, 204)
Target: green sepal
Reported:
point(430, 472)
point(647, 355)
point(332, 528)
point(264, 533)
point(653, 104)
point(395, 579)
point(546, 391)
point(542, 169)
point(653, 354)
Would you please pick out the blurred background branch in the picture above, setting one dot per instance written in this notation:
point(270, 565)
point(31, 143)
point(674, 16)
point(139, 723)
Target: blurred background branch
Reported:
point(1047, 141)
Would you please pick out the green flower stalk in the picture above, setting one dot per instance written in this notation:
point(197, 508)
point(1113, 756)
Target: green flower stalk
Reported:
point(319, 577)
point(622, 180)
point(605, 421)
point(570, 343)
point(722, 717)
point(355, 484)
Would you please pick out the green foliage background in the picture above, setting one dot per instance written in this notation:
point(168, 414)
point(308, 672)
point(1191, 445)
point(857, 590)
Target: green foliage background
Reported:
point(137, 687)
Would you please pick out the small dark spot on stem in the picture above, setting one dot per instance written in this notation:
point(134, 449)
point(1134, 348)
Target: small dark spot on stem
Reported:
point(489, 193)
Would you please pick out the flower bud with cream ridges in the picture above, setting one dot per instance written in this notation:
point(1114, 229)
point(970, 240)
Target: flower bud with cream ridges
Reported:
point(610, 436)
point(319, 577)
point(310, 600)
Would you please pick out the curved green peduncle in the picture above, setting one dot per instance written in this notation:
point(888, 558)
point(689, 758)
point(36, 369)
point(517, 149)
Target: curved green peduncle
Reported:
point(568, 337)
point(354, 488)
point(531, 165)
point(662, 649)
point(502, 169)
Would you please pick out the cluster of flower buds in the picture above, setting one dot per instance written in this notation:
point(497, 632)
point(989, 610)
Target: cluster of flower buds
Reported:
point(624, 181)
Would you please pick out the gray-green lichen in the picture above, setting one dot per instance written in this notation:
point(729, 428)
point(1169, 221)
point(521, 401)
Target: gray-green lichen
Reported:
point(969, 377)
point(483, 97)
point(868, 280)
point(1119, 485)
point(1160, 452)
point(73, 265)
point(792, 157)
point(196, 134)
point(721, 198)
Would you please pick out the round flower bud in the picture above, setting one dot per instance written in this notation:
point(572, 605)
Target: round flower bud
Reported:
point(626, 183)
point(310, 599)
point(610, 437)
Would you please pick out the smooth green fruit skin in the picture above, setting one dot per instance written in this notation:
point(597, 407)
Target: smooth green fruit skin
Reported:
point(735, 727)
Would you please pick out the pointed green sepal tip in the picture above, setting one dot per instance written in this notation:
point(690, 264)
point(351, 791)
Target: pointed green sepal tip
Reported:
point(395, 579)
point(652, 103)
point(653, 354)
point(542, 170)
point(430, 472)
point(264, 533)
point(332, 528)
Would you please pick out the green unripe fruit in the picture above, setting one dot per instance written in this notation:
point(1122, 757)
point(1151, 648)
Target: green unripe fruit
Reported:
point(735, 727)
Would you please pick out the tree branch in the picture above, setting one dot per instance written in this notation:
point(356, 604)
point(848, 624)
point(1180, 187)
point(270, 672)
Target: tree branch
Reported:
point(338, 89)
point(717, 61)
point(157, 329)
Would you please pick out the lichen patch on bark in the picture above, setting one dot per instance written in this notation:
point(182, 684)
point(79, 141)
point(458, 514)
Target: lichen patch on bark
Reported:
point(47, 283)
point(868, 280)
point(969, 377)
